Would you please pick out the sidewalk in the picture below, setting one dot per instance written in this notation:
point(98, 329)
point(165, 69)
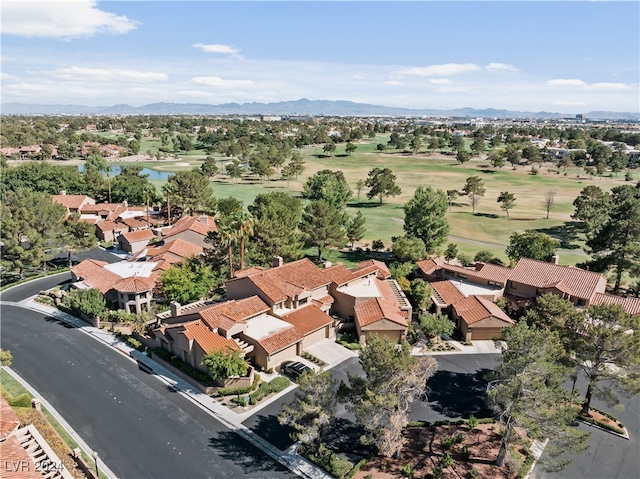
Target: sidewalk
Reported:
point(477, 347)
point(224, 415)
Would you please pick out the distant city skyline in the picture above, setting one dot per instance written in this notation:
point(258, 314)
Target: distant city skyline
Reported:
point(569, 56)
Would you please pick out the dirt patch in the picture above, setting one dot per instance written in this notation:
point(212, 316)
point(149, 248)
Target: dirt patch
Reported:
point(469, 449)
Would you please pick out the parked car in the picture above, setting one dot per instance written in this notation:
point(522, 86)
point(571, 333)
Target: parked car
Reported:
point(294, 369)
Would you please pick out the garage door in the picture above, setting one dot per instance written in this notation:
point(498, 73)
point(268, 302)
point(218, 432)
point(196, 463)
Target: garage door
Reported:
point(485, 333)
point(314, 337)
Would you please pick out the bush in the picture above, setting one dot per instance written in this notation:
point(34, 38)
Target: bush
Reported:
point(329, 461)
point(134, 343)
point(448, 442)
point(473, 473)
point(239, 391)
point(22, 400)
point(275, 386)
point(447, 460)
point(459, 438)
point(472, 422)
point(465, 259)
point(465, 452)
point(436, 473)
point(87, 301)
point(407, 470)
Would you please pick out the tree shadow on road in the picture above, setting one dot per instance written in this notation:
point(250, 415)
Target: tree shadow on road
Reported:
point(344, 438)
point(235, 449)
point(458, 395)
point(268, 428)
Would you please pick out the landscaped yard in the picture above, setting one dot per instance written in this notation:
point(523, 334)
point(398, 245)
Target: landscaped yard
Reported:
point(450, 451)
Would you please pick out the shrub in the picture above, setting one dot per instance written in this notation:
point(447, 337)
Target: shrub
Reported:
point(465, 452)
point(472, 422)
point(134, 343)
point(460, 438)
point(275, 386)
point(473, 473)
point(22, 400)
point(436, 473)
point(447, 460)
point(534, 171)
point(407, 470)
point(224, 364)
point(329, 461)
point(448, 442)
point(87, 301)
point(239, 391)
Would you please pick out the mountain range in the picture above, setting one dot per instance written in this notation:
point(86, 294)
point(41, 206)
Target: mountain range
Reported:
point(298, 107)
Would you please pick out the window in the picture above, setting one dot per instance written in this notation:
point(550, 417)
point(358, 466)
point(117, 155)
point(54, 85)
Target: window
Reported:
point(303, 301)
point(512, 286)
point(462, 276)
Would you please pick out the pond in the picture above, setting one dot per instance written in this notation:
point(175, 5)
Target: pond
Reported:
point(153, 174)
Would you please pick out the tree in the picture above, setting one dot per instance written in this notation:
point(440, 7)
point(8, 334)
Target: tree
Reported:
point(322, 226)
point(415, 144)
point(356, 228)
point(87, 301)
point(496, 160)
point(462, 157)
point(93, 168)
point(209, 167)
point(533, 245)
point(377, 245)
point(191, 192)
point(451, 197)
point(350, 148)
point(549, 200)
point(616, 244)
point(5, 358)
point(434, 325)
point(407, 248)
point(187, 282)
point(287, 173)
point(381, 400)
point(507, 200)
point(132, 186)
point(243, 224)
point(223, 364)
point(311, 413)
point(360, 184)
point(477, 146)
point(608, 352)
point(474, 189)
point(260, 166)
point(456, 143)
point(421, 293)
point(329, 186)
point(425, 217)
point(329, 148)
point(276, 216)
point(296, 163)
point(513, 154)
point(382, 183)
point(451, 252)
point(183, 143)
point(234, 170)
point(527, 392)
point(592, 208)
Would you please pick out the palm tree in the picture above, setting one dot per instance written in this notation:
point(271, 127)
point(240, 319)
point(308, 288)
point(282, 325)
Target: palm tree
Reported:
point(243, 224)
point(228, 239)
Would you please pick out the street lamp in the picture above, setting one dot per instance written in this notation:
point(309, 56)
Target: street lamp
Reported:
point(94, 454)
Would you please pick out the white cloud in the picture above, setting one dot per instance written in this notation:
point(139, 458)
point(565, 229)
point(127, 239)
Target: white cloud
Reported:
point(107, 75)
point(608, 86)
point(574, 82)
point(393, 82)
point(218, 48)
point(442, 70)
point(440, 81)
point(60, 19)
point(218, 82)
point(451, 89)
point(494, 67)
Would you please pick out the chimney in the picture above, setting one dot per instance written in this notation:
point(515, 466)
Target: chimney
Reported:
point(555, 259)
point(479, 265)
point(277, 261)
point(327, 264)
point(203, 219)
point(63, 192)
point(176, 308)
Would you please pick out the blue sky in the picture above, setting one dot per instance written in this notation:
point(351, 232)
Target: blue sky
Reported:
point(566, 56)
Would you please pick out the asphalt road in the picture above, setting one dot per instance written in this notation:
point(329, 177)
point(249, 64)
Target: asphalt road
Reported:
point(26, 290)
point(139, 428)
point(457, 391)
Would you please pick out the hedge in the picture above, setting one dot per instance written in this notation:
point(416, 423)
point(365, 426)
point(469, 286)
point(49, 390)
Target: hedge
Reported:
point(239, 391)
point(275, 386)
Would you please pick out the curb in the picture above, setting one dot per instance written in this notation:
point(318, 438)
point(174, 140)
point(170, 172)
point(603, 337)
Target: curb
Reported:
point(623, 436)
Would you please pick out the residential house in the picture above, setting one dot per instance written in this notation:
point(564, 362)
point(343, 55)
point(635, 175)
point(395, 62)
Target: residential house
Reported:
point(135, 293)
point(630, 304)
point(531, 278)
point(477, 319)
point(135, 241)
point(193, 229)
point(73, 203)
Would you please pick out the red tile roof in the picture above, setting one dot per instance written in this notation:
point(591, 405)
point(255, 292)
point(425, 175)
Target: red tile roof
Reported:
point(199, 224)
point(134, 284)
point(383, 270)
point(225, 315)
point(630, 304)
point(71, 201)
point(447, 292)
point(135, 236)
point(12, 453)
point(241, 273)
point(339, 274)
point(111, 226)
point(488, 271)
point(280, 340)
point(474, 309)
point(97, 208)
point(377, 309)
point(539, 274)
point(9, 420)
point(289, 279)
point(177, 247)
point(93, 274)
point(429, 266)
point(308, 319)
point(207, 339)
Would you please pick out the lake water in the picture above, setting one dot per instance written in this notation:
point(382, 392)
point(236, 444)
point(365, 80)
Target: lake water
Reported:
point(153, 174)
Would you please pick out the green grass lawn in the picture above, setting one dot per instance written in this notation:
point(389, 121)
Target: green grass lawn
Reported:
point(488, 228)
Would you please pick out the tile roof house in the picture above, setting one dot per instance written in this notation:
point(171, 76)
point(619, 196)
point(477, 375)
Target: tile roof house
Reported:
point(135, 241)
point(193, 229)
point(479, 319)
point(531, 278)
point(73, 203)
point(630, 304)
